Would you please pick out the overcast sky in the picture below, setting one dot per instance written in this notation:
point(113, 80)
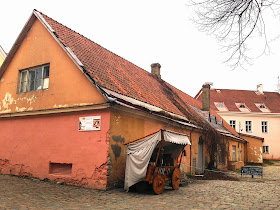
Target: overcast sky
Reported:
point(148, 31)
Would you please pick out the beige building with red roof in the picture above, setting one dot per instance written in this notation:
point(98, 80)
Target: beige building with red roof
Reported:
point(255, 113)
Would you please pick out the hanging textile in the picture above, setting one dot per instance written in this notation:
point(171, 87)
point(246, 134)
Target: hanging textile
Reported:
point(139, 154)
point(138, 157)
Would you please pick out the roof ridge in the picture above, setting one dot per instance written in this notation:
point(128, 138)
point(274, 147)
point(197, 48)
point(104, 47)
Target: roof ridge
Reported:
point(91, 41)
point(213, 89)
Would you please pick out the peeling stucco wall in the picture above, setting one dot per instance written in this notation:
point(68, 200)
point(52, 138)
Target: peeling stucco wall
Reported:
point(14, 169)
point(30, 145)
point(254, 149)
point(125, 128)
point(10, 102)
point(97, 180)
point(39, 48)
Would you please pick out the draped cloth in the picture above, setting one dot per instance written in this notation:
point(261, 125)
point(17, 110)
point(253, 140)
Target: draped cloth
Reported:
point(139, 154)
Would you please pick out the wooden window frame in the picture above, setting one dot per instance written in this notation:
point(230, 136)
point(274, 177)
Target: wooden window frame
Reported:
point(44, 77)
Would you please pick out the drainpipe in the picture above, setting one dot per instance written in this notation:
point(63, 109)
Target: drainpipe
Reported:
point(191, 151)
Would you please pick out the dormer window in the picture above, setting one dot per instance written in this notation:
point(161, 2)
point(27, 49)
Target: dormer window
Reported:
point(242, 107)
point(35, 78)
point(262, 107)
point(221, 106)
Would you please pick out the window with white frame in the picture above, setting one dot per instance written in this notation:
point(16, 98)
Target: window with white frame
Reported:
point(242, 107)
point(264, 127)
point(265, 149)
point(221, 106)
point(35, 78)
point(248, 125)
point(262, 107)
point(232, 123)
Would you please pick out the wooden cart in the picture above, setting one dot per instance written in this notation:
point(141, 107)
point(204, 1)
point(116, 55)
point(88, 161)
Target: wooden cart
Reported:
point(158, 174)
point(163, 162)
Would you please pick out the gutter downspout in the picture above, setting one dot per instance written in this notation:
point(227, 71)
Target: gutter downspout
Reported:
point(191, 151)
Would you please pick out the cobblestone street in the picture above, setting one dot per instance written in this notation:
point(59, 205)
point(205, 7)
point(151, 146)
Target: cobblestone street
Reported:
point(16, 192)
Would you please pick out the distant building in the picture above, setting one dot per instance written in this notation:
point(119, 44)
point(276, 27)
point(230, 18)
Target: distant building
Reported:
point(2, 55)
point(253, 113)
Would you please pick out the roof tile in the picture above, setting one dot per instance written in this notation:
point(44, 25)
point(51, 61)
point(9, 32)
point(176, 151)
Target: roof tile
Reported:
point(117, 74)
point(249, 98)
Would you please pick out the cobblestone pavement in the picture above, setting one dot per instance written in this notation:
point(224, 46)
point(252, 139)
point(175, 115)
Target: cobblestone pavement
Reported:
point(258, 193)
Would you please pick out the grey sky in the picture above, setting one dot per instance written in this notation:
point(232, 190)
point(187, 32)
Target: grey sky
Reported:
point(146, 32)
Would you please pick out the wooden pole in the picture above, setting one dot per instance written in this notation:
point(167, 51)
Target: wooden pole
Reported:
point(161, 141)
point(141, 138)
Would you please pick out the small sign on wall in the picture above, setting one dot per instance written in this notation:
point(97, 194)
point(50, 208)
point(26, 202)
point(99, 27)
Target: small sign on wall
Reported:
point(92, 123)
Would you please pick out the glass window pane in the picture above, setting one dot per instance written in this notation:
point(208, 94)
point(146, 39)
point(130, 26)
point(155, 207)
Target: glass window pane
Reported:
point(46, 71)
point(34, 79)
point(32, 85)
point(39, 84)
point(39, 73)
point(23, 82)
point(32, 76)
point(234, 153)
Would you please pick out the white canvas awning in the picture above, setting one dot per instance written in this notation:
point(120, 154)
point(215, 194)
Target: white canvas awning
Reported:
point(139, 154)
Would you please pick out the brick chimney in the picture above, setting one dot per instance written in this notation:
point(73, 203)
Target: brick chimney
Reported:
point(206, 96)
point(260, 89)
point(156, 69)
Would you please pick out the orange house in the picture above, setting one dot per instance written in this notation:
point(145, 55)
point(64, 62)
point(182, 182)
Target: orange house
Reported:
point(67, 105)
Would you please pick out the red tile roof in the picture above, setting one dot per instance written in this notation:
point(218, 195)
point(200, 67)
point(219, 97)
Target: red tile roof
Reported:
point(112, 72)
point(230, 97)
point(117, 74)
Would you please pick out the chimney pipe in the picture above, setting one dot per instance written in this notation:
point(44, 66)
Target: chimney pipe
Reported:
point(156, 69)
point(260, 89)
point(206, 96)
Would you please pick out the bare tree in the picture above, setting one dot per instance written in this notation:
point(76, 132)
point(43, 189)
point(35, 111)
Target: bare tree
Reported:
point(233, 22)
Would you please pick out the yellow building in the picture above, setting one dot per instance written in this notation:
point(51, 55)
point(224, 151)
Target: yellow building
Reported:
point(2, 55)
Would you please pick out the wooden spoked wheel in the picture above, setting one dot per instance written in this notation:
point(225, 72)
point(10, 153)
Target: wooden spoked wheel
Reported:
point(176, 178)
point(158, 184)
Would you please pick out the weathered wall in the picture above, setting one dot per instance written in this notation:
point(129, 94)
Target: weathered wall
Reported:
point(68, 86)
point(125, 128)
point(190, 162)
point(238, 162)
point(30, 144)
point(253, 149)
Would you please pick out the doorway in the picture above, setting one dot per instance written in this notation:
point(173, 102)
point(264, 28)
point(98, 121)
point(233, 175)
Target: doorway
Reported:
point(200, 155)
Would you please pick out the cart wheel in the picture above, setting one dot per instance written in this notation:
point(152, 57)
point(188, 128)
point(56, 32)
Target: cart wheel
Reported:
point(176, 178)
point(158, 184)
